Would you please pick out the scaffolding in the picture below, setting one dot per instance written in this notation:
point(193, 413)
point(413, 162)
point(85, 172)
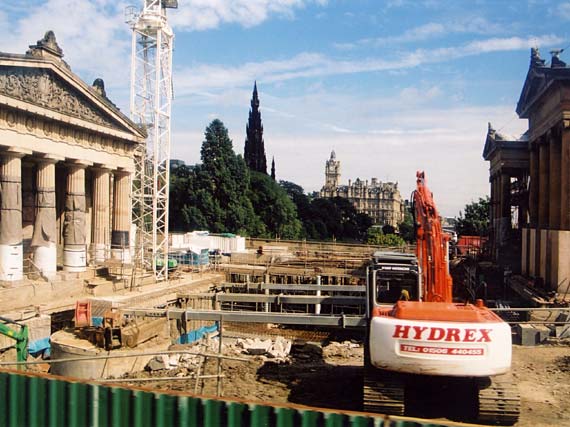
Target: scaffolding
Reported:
point(151, 101)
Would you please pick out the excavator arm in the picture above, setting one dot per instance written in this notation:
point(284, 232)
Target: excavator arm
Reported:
point(20, 336)
point(431, 246)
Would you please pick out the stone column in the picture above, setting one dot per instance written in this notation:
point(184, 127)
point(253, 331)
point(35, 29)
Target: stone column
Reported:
point(505, 195)
point(554, 185)
point(544, 182)
point(504, 210)
point(534, 185)
point(533, 202)
point(120, 236)
point(497, 205)
point(11, 249)
point(494, 235)
point(44, 238)
point(101, 204)
point(565, 180)
point(522, 178)
point(543, 209)
point(74, 251)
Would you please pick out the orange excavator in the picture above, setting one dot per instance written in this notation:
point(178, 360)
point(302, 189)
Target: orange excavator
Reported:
point(418, 338)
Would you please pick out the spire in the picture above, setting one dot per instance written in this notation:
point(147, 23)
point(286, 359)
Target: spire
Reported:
point(255, 97)
point(254, 150)
point(273, 169)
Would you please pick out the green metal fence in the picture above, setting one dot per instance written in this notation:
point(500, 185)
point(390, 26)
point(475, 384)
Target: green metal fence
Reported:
point(41, 400)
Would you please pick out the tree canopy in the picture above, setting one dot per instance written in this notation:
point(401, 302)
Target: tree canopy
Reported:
point(214, 194)
point(406, 228)
point(324, 219)
point(475, 219)
point(273, 206)
point(376, 236)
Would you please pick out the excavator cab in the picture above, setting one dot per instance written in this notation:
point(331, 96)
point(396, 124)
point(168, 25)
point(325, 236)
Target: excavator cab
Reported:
point(392, 277)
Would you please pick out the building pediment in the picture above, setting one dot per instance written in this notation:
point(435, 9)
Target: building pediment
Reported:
point(46, 88)
point(539, 78)
point(41, 83)
point(534, 85)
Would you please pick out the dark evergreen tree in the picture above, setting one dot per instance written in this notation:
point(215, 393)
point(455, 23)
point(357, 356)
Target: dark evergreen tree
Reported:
point(274, 207)
point(254, 150)
point(273, 169)
point(214, 195)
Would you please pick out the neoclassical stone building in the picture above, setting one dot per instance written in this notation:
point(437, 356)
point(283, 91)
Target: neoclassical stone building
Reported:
point(379, 200)
point(66, 161)
point(531, 177)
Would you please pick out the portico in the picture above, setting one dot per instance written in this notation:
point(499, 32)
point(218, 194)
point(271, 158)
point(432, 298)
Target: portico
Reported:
point(66, 162)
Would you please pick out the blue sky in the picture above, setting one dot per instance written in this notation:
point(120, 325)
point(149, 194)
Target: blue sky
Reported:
point(391, 86)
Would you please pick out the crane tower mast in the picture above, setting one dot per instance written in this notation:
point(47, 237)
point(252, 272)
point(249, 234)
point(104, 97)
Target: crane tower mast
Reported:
point(151, 101)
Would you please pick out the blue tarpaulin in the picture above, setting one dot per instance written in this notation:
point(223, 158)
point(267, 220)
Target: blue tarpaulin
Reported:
point(35, 348)
point(197, 334)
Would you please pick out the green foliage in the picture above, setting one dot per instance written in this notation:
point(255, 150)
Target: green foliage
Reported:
point(376, 237)
point(475, 221)
point(214, 195)
point(406, 228)
point(272, 204)
point(325, 219)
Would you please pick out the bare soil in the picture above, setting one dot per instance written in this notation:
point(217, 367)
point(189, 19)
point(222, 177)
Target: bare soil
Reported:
point(332, 378)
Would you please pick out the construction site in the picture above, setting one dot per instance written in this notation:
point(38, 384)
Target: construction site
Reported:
point(109, 318)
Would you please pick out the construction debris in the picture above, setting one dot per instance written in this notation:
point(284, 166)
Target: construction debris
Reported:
point(530, 335)
point(174, 361)
point(278, 349)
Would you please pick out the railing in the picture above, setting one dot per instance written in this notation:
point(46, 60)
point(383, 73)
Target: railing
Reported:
point(57, 401)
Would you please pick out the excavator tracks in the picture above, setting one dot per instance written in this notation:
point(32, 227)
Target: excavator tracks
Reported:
point(383, 392)
point(499, 401)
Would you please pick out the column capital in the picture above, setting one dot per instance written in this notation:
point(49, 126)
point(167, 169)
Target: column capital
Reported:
point(104, 167)
point(78, 163)
point(126, 169)
point(48, 158)
point(15, 152)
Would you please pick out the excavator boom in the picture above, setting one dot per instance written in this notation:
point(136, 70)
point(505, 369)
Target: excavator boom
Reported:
point(431, 246)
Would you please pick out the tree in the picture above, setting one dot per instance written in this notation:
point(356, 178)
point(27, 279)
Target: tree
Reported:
point(214, 195)
point(376, 237)
point(334, 218)
point(475, 220)
point(272, 204)
point(406, 228)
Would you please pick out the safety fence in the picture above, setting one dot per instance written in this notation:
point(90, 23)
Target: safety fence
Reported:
point(28, 399)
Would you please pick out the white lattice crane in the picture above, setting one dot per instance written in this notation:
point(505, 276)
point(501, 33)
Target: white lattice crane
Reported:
point(151, 101)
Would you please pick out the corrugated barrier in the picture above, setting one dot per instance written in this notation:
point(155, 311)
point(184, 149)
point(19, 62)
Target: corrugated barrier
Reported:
point(42, 400)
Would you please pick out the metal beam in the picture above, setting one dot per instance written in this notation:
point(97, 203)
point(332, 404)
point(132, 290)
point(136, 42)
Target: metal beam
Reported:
point(303, 287)
point(290, 299)
point(252, 317)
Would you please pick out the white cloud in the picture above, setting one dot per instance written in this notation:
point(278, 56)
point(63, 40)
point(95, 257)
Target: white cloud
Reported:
point(431, 30)
point(93, 35)
point(309, 64)
point(196, 15)
point(97, 42)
